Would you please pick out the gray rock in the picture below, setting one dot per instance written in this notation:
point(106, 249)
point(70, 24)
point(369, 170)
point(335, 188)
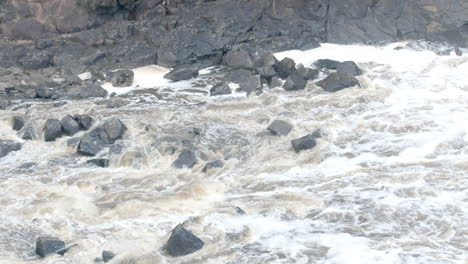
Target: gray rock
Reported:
point(103, 163)
point(113, 129)
point(52, 130)
point(85, 121)
point(303, 143)
point(122, 78)
point(338, 81)
point(266, 60)
point(266, 71)
point(35, 61)
point(349, 67)
point(91, 143)
point(280, 128)
point(213, 165)
point(69, 125)
point(251, 84)
point(18, 123)
point(186, 159)
point(285, 67)
point(306, 73)
point(458, 52)
point(87, 91)
point(182, 242)
point(48, 245)
point(240, 59)
point(44, 92)
point(237, 76)
point(275, 82)
point(4, 103)
point(327, 64)
point(29, 132)
point(294, 82)
point(107, 255)
point(220, 89)
point(182, 72)
point(7, 146)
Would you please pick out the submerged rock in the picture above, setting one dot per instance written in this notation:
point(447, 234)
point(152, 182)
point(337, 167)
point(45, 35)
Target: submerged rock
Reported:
point(280, 128)
point(285, 67)
point(186, 159)
point(182, 242)
point(52, 130)
point(103, 163)
point(294, 83)
point(18, 123)
point(213, 165)
point(458, 52)
point(48, 245)
point(349, 67)
point(107, 256)
point(7, 146)
point(28, 133)
point(182, 72)
point(122, 78)
point(69, 125)
point(338, 81)
point(303, 143)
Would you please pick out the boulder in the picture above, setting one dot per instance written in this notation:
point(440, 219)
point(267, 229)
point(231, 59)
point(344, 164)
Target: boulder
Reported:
point(18, 123)
point(349, 67)
point(275, 82)
point(338, 81)
point(28, 133)
point(112, 130)
point(306, 73)
point(35, 61)
point(458, 52)
point(327, 64)
point(85, 121)
point(280, 128)
point(91, 143)
point(182, 72)
point(239, 59)
point(122, 78)
point(303, 143)
point(186, 159)
point(103, 163)
point(48, 245)
point(44, 92)
point(220, 89)
point(285, 67)
point(213, 165)
point(69, 125)
point(237, 76)
point(266, 60)
point(266, 71)
point(107, 256)
point(294, 82)
point(52, 130)
point(251, 84)
point(87, 91)
point(7, 146)
point(182, 242)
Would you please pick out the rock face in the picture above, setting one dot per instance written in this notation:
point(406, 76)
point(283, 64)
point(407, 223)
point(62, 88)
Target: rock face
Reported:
point(48, 245)
point(52, 130)
point(186, 159)
point(280, 128)
point(338, 81)
point(7, 146)
point(182, 72)
point(182, 242)
point(122, 78)
point(303, 143)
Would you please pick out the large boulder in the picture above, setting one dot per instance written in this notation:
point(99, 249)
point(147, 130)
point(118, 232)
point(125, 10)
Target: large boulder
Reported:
point(7, 146)
point(337, 81)
point(69, 125)
point(303, 143)
point(285, 67)
point(294, 82)
point(186, 159)
point(52, 130)
point(182, 72)
point(113, 129)
point(326, 64)
point(182, 242)
point(101, 137)
point(122, 78)
point(251, 84)
point(237, 76)
point(49, 245)
point(349, 67)
point(240, 59)
point(280, 128)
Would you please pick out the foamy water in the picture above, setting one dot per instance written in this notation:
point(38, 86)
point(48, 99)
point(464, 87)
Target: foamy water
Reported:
point(388, 183)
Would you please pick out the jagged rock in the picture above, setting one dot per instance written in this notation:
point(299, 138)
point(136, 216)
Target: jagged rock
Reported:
point(251, 84)
point(182, 72)
point(280, 128)
point(103, 163)
point(285, 67)
point(275, 82)
point(18, 123)
point(91, 143)
point(69, 125)
point(35, 61)
point(52, 130)
point(213, 165)
point(327, 64)
point(349, 67)
point(306, 73)
point(318, 133)
point(220, 89)
point(48, 245)
point(182, 242)
point(338, 81)
point(85, 121)
point(266, 71)
point(7, 146)
point(303, 143)
point(113, 129)
point(240, 59)
point(122, 78)
point(186, 159)
point(107, 255)
point(294, 82)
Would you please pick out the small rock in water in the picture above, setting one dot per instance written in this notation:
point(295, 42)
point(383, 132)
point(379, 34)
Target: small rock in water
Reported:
point(240, 59)
point(18, 123)
point(122, 78)
point(48, 245)
point(182, 242)
point(303, 143)
point(7, 146)
point(458, 52)
point(107, 256)
point(318, 133)
point(182, 72)
point(327, 64)
point(85, 121)
point(52, 130)
point(294, 83)
point(213, 165)
point(113, 129)
point(69, 125)
point(103, 163)
point(280, 128)
point(338, 81)
point(285, 67)
point(220, 89)
point(240, 211)
point(349, 67)
point(186, 159)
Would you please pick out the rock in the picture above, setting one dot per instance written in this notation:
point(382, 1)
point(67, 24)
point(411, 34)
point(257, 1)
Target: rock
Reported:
point(122, 78)
point(266, 60)
point(7, 146)
point(113, 129)
point(87, 91)
point(91, 143)
point(44, 92)
point(69, 125)
point(318, 133)
point(280, 128)
point(349, 67)
point(182, 242)
point(103, 163)
point(239, 210)
point(18, 123)
point(212, 165)
point(220, 89)
point(285, 67)
point(275, 82)
point(48, 245)
point(327, 64)
point(337, 81)
point(35, 61)
point(52, 130)
point(186, 159)
point(85, 121)
point(107, 256)
point(240, 59)
point(251, 84)
point(458, 52)
point(294, 82)
point(303, 143)
point(28, 133)
point(4, 103)
point(237, 76)
point(266, 71)
point(182, 72)
point(306, 73)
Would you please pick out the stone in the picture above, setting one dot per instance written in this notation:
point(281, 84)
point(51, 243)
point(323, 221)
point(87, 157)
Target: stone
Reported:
point(285, 67)
point(85, 121)
point(349, 67)
point(48, 245)
point(87, 91)
point(18, 123)
point(338, 81)
point(240, 59)
point(69, 125)
point(52, 130)
point(44, 92)
point(4, 103)
point(182, 72)
point(251, 84)
point(107, 256)
point(318, 133)
point(122, 78)
point(103, 163)
point(28, 133)
point(266, 71)
point(275, 82)
point(186, 159)
point(458, 52)
point(237, 76)
point(213, 165)
point(306, 73)
point(280, 128)
point(7, 146)
point(91, 143)
point(35, 61)
point(113, 129)
point(182, 242)
point(327, 64)
point(220, 89)
point(266, 60)
point(303, 143)
point(294, 82)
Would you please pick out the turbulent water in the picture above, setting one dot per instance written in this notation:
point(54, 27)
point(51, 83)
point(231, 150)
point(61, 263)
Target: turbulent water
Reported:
point(387, 184)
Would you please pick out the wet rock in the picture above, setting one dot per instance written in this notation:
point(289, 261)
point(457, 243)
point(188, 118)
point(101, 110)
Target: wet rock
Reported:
point(69, 125)
point(285, 67)
point(266, 71)
point(186, 159)
point(7, 146)
point(303, 143)
point(240, 59)
point(182, 72)
point(318, 133)
point(87, 91)
point(338, 81)
point(327, 64)
point(85, 121)
point(122, 78)
point(251, 84)
point(48, 245)
point(237, 76)
point(213, 165)
point(349, 67)
point(458, 52)
point(113, 129)
point(103, 163)
point(306, 73)
point(280, 128)
point(29, 132)
point(240, 211)
point(52, 130)
point(18, 123)
point(266, 60)
point(107, 256)
point(182, 242)
point(275, 82)
point(91, 143)
point(44, 92)
point(294, 82)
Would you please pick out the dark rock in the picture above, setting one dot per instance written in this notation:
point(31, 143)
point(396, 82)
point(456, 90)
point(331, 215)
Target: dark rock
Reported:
point(458, 52)
point(85, 121)
point(327, 64)
point(28, 133)
point(107, 256)
point(182, 72)
point(44, 92)
point(18, 123)
point(212, 165)
point(69, 125)
point(182, 242)
point(113, 129)
point(306, 73)
point(349, 67)
point(7, 146)
point(294, 82)
point(240, 59)
point(303, 143)
point(275, 82)
point(48, 245)
point(220, 89)
point(103, 163)
point(337, 81)
point(35, 61)
point(186, 159)
point(122, 78)
point(52, 130)
point(238, 76)
point(251, 84)
point(285, 67)
point(266, 60)
point(280, 128)
point(87, 91)
point(318, 133)
point(91, 143)
point(240, 211)
point(266, 71)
